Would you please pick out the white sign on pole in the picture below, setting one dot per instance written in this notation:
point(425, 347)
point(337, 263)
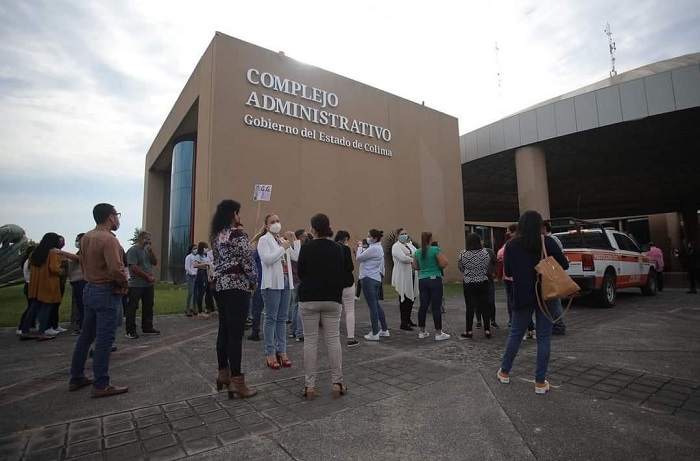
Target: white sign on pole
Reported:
point(262, 193)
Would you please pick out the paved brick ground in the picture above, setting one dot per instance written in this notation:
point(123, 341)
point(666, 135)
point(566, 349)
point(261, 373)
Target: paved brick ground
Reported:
point(374, 372)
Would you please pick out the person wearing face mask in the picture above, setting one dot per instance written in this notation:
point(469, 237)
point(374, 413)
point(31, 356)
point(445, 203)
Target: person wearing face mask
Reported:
point(191, 275)
point(141, 260)
point(371, 261)
point(103, 269)
point(77, 283)
point(276, 283)
point(403, 277)
point(202, 281)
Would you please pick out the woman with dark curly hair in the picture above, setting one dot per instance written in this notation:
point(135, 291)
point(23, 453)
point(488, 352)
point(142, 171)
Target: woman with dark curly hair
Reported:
point(236, 277)
point(44, 285)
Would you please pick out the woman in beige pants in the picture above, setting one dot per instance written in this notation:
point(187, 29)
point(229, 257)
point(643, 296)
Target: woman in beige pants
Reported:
point(343, 237)
point(322, 267)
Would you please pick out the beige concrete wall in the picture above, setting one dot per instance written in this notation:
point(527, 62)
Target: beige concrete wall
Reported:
point(418, 188)
point(531, 172)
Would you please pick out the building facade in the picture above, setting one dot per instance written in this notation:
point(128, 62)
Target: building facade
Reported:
point(324, 143)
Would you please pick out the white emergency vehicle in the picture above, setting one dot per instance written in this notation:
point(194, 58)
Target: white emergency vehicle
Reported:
point(602, 260)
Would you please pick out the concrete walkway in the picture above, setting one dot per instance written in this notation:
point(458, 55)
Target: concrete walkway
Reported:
point(626, 385)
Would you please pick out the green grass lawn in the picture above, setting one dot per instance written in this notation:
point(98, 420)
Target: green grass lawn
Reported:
point(169, 299)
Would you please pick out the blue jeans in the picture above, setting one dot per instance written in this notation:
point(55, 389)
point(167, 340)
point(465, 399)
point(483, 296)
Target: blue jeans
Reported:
point(256, 308)
point(297, 326)
point(509, 298)
point(521, 318)
point(191, 284)
point(276, 309)
point(376, 314)
point(431, 291)
point(99, 325)
point(39, 311)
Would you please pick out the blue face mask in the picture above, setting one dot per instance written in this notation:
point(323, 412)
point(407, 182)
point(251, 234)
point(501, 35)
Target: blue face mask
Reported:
point(403, 238)
point(369, 240)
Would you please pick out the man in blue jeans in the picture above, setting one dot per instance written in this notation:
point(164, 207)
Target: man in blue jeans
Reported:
point(103, 269)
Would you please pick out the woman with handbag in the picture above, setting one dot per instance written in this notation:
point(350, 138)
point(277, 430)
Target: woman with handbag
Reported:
point(430, 261)
point(475, 262)
point(520, 257)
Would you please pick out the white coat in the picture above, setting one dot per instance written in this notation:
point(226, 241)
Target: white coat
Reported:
point(271, 255)
point(402, 276)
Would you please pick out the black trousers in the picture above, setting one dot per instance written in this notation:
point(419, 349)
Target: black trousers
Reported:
point(476, 298)
point(660, 281)
point(145, 296)
point(233, 310)
point(405, 307)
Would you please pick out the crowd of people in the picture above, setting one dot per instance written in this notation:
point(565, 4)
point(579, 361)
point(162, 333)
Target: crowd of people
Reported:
point(277, 278)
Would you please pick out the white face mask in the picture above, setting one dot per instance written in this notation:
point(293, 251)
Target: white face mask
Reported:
point(369, 240)
point(275, 228)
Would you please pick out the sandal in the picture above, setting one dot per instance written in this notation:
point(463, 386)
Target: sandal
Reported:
point(275, 365)
point(338, 390)
point(286, 363)
point(468, 334)
point(308, 392)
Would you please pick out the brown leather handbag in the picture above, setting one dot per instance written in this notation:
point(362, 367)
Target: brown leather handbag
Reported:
point(553, 283)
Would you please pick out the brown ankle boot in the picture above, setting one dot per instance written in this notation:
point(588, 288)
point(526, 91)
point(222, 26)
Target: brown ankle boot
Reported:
point(239, 387)
point(224, 379)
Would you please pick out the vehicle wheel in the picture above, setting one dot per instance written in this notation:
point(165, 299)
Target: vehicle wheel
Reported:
point(649, 289)
point(607, 294)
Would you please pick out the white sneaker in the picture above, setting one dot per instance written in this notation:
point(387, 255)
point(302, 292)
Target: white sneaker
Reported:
point(357, 298)
point(534, 334)
point(51, 332)
point(60, 329)
point(19, 332)
point(442, 336)
point(541, 388)
point(384, 333)
point(423, 334)
point(370, 337)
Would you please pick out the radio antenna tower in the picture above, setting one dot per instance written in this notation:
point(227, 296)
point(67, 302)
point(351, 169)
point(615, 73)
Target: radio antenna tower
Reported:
point(499, 80)
point(612, 48)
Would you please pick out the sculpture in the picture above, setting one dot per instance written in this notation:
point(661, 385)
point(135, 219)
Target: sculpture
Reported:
point(13, 241)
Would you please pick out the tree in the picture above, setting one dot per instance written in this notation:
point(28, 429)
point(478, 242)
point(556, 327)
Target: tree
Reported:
point(134, 240)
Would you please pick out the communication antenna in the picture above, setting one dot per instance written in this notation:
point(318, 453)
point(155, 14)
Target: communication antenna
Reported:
point(498, 79)
point(612, 48)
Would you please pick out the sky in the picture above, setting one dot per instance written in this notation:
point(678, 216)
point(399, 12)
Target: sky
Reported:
point(85, 86)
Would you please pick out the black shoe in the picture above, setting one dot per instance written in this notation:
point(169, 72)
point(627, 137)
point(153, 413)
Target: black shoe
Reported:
point(495, 325)
point(478, 325)
point(152, 331)
point(411, 324)
point(300, 339)
point(133, 335)
point(254, 336)
point(691, 292)
point(405, 327)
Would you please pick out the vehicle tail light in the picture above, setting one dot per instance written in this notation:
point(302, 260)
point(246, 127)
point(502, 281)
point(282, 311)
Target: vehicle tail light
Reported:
point(587, 262)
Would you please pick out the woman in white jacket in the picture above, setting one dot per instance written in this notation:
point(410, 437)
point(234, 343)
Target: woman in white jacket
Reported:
point(275, 289)
point(403, 278)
